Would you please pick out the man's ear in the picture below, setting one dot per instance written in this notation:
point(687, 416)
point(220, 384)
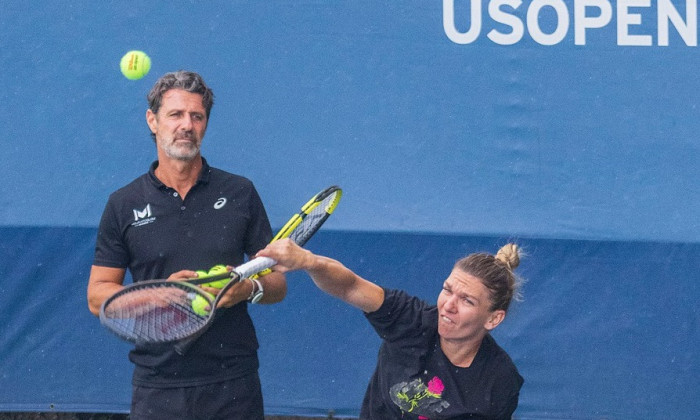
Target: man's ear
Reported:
point(495, 318)
point(152, 121)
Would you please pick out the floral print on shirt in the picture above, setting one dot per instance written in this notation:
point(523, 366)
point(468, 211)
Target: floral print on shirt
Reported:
point(415, 397)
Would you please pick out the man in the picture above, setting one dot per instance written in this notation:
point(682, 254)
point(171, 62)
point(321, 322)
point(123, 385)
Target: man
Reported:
point(435, 361)
point(183, 216)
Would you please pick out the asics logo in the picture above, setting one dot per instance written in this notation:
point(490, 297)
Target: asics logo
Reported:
point(220, 203)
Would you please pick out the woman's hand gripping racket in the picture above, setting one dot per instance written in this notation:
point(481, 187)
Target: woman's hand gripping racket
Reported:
point(160, 311)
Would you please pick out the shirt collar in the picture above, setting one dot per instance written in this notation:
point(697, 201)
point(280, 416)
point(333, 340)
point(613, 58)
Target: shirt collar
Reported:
point(203, 178)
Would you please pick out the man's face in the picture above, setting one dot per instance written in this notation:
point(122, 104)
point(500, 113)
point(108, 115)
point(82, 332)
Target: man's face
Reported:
point(179, 125)
point(464, 308)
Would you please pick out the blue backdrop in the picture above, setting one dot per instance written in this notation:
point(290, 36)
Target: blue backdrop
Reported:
point(453, 126)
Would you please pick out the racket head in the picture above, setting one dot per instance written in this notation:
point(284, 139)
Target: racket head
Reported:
point(303, 225)
point(157, 311)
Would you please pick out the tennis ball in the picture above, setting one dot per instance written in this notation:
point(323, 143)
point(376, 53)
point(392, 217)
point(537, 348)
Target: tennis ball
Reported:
point(199, 305)
point(217, 269)
point(135, 64)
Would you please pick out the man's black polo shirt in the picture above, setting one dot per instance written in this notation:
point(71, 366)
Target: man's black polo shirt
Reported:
point(149, 229)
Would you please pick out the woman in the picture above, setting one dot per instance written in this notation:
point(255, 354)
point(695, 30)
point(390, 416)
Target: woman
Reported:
point(435, 362)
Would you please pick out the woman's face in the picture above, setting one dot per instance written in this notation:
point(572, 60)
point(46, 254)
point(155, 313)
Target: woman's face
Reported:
point(464, 308)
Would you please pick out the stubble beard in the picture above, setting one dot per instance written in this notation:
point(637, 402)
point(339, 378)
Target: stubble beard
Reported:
point(179, 150)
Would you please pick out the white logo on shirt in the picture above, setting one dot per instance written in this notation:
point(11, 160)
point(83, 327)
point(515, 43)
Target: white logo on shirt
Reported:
point(142, 214)
point(220, 203)
point(143, 217)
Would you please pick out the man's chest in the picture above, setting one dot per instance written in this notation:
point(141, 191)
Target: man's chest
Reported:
point(163, 226)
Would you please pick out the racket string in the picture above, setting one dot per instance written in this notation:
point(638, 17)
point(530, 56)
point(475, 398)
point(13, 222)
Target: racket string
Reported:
point(310, 224)
point(149, 315)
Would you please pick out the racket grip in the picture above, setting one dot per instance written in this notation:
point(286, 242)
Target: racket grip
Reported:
point(254, 266)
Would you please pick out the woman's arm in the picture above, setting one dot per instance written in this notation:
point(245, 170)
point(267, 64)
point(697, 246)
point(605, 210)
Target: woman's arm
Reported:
point(329, 275)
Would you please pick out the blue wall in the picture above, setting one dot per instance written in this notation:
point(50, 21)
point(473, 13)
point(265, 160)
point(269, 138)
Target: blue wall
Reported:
point(446, 140)
point(607, 329)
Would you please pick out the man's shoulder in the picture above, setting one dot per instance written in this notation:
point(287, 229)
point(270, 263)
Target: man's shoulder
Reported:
point(225, 181)
point(217, 174)
point(128, 190)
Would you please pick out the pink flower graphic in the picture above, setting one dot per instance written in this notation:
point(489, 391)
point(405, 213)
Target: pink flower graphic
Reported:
point(435, 386)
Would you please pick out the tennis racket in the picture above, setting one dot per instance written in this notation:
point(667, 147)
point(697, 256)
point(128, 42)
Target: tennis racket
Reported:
point(161, 311)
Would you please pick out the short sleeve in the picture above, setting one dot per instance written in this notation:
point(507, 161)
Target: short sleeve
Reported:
point(110, 250)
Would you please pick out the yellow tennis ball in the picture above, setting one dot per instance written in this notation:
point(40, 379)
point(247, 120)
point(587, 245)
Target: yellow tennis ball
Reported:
point(201, 274)
point(135, 64)
point(199, 306)
point(217, 269)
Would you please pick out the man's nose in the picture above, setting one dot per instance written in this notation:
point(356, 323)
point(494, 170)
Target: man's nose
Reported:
point(186, 122)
